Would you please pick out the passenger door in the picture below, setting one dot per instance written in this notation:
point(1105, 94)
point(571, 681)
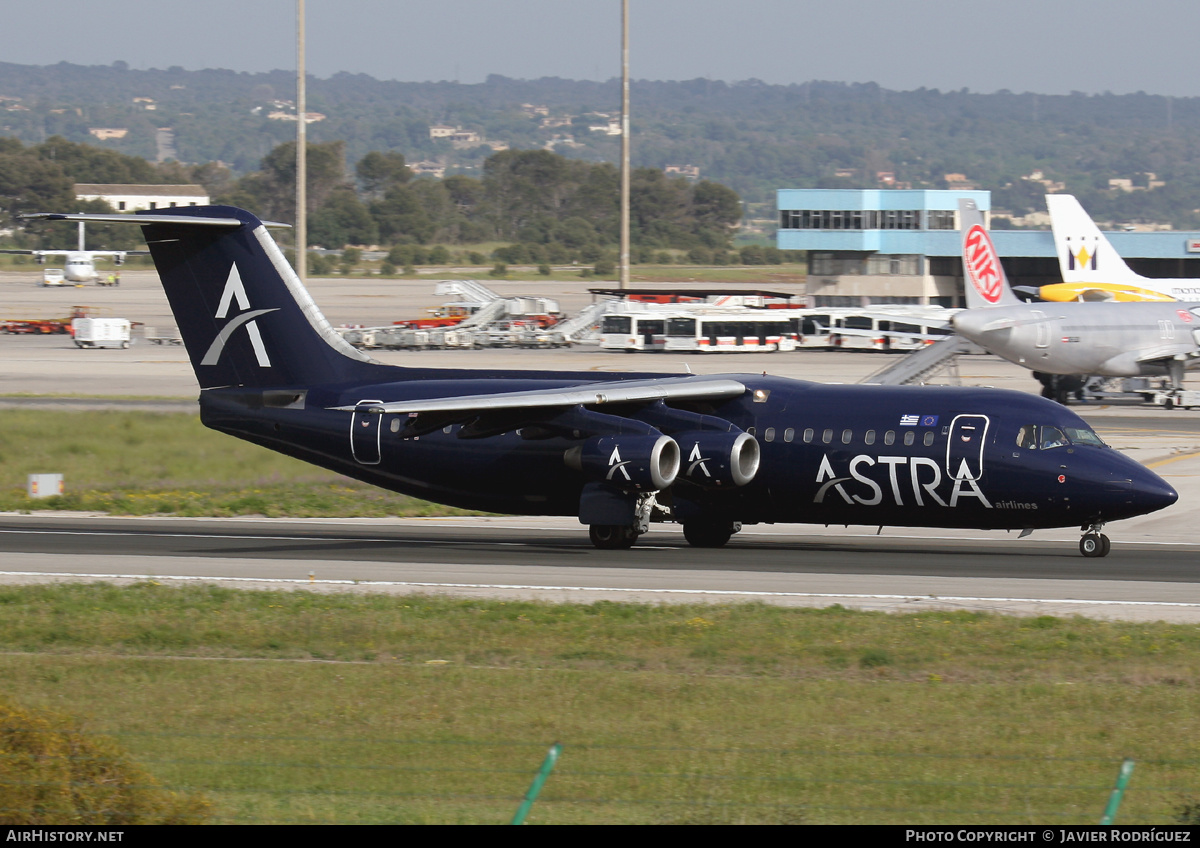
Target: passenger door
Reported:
point(365, 432)
point(964, 451)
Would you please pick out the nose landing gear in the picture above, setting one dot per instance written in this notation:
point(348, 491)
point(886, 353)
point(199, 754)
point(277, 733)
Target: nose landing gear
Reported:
point(1094, 543)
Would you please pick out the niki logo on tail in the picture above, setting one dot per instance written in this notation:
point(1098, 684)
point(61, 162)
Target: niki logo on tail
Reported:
point(983, 265)
point(234, 290)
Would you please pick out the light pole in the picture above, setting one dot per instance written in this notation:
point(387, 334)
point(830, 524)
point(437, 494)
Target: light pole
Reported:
point(301, 151)
point(624, 144)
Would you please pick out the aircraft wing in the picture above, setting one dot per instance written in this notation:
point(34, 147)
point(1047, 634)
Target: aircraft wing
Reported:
point(1167, 351)
point(39, 252)
point(621, 391)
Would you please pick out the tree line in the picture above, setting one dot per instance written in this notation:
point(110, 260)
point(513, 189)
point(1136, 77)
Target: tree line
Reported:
point(567, 207)
point(549, 208)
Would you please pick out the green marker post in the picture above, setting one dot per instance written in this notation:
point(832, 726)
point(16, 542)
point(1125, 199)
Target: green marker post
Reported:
point(539, 780)
point(1114, 799)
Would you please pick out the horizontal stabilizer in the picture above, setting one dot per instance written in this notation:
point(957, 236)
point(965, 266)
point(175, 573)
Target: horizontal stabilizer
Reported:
point(628, 391)
point(138, 218)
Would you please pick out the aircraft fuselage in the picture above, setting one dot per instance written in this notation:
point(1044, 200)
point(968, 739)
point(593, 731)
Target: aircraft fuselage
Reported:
point(1107, 339)
point(897, 456)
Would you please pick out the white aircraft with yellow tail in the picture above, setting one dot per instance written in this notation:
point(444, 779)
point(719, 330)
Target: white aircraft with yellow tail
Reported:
point(1092, 270)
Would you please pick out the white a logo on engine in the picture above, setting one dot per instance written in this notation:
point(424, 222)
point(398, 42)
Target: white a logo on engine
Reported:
point(695, 459)
point(615, 464)
point(235, 291)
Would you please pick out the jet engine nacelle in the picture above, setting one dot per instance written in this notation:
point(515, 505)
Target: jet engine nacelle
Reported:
point(631, 463)
point(118, 260)
point(717, 460)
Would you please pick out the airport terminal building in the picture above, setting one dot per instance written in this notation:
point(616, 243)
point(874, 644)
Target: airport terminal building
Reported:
point(903, 246)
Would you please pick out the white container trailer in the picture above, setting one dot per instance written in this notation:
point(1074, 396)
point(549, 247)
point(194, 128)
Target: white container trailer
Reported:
point(101, 332)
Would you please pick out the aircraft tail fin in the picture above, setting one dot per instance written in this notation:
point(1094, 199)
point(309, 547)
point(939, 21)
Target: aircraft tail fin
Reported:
point(983, 276)
point(1084, 253)
point(245, 317)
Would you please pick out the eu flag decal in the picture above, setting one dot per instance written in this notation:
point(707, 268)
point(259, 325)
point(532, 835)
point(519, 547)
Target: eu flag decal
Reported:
point(929, 420)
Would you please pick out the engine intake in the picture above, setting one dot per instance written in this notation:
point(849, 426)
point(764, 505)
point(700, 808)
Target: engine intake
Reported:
point(631, 463)
point(716, 460)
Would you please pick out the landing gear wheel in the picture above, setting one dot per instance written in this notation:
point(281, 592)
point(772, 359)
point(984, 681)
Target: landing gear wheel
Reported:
point(611, 537)
point(701, 534)
point(1094, 545)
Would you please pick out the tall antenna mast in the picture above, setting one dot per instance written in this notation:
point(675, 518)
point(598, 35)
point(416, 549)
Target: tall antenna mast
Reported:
point(624, 144)
point(301, 151)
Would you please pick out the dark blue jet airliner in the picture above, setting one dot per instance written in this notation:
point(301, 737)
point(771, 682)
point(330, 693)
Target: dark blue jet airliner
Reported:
point(619, 450)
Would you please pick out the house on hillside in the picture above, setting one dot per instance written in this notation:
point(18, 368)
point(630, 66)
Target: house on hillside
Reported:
point(131, 198)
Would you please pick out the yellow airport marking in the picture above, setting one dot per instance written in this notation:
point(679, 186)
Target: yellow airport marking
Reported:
point(1163, 462)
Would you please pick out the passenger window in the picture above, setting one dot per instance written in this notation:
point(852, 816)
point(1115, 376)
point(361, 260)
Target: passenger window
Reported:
point(808, 436)
point(847, 435)
point(1027, 437)
point(909, 438)
point(1052, 437)
point(789, 434)
point(827, 436)
point(889, 438)
point(869, 438)
point(928, 438)
point(753, 431)
point(769, 434)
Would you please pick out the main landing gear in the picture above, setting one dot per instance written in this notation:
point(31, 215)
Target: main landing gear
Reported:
point(706, 534)
point(699, 534)
point(710, 533)
point(1094, 543)
point(616, 537)
point(612, 537)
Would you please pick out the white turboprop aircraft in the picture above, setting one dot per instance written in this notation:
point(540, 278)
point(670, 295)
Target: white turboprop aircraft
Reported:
point(79, 265)
point(1093, 270)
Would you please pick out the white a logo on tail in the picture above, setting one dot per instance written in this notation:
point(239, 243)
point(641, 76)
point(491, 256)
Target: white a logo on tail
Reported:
point(235, 291)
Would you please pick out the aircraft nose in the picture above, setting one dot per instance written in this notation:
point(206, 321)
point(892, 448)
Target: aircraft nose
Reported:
point(1150, 492)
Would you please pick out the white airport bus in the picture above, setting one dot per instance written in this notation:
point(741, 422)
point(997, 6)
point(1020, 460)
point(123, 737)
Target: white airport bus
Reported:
point(903, 329)
point(633, 331)
point(731, 332)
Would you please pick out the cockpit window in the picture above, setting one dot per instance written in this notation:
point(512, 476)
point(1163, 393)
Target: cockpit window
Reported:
point(1084, 436)
point(1032, 437)
point(1052, 437)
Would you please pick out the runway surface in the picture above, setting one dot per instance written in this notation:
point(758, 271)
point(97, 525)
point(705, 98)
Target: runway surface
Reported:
point(551, 559)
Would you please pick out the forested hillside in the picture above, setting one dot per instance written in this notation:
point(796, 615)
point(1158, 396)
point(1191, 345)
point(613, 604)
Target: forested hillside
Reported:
point(749, 136)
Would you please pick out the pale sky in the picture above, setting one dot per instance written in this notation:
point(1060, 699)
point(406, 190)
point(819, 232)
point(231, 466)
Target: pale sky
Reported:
point(1044, 46)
